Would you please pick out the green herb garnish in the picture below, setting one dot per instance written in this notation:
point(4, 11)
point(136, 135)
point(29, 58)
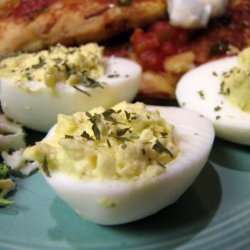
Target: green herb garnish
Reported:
point(4, 171)
point(108, 142)
point(113, 75)
point(4, 201)
point(161, 149)
point(121, 132)
point(164, 134)
point(69, 137)
point(81, 90)
point(58, 60)
point(161, 164)
point(224, 91)
point(201, 94)
point(217, 108)
point(122, 138)
point(45, 167)
point(94, 118)
point(86, 135)
point(28, 76)
point(127, 115)
point(107, 114)
point(143, 151)
point(96, 131)
point(89, 82)
point(39, 64)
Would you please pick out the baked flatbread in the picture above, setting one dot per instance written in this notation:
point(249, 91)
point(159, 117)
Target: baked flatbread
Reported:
point(36, 24)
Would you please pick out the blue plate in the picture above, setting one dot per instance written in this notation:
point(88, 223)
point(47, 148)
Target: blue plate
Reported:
point(214, 213)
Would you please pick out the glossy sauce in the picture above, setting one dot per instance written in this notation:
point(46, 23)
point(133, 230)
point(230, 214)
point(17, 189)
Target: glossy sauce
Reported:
point(160, 41)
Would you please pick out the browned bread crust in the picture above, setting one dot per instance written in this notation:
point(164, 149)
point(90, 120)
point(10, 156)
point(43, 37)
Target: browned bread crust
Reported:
point(71, 22)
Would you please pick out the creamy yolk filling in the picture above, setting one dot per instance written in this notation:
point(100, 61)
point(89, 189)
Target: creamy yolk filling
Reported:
point(71, 66)
point(123, 142)
point(236, 82)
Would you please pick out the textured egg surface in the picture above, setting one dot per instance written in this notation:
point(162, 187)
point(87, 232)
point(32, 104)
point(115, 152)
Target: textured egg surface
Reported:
point(200, 90)
point(121, 201)
point(38, 110)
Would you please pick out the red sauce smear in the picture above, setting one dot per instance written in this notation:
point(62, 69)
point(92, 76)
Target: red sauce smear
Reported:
point(30, 7)
point(160, 41)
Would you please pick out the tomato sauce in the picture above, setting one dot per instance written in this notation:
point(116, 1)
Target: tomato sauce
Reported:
point(157, 43)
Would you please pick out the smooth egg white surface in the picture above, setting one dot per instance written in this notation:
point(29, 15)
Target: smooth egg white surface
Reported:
point(39, 110)
point(120, 201)
point(199, 90)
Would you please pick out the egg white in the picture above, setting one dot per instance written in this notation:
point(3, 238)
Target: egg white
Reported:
point(38, 110)
point(120, 201)
point(199, 90)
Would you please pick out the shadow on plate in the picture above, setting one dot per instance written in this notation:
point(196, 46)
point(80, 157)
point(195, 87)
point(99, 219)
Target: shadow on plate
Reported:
point(231, 155)
point(171, 227)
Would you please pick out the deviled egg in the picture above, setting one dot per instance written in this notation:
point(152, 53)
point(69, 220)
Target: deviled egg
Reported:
point(36, 87)
point(124, 163)
point(220, 91)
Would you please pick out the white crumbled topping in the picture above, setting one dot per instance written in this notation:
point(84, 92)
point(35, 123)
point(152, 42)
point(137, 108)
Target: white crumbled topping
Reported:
point(194, 13)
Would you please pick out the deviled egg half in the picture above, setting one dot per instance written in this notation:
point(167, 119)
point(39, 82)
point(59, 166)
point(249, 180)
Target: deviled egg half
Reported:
point(220, 91)
point(36, 87)
point(121, 164)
